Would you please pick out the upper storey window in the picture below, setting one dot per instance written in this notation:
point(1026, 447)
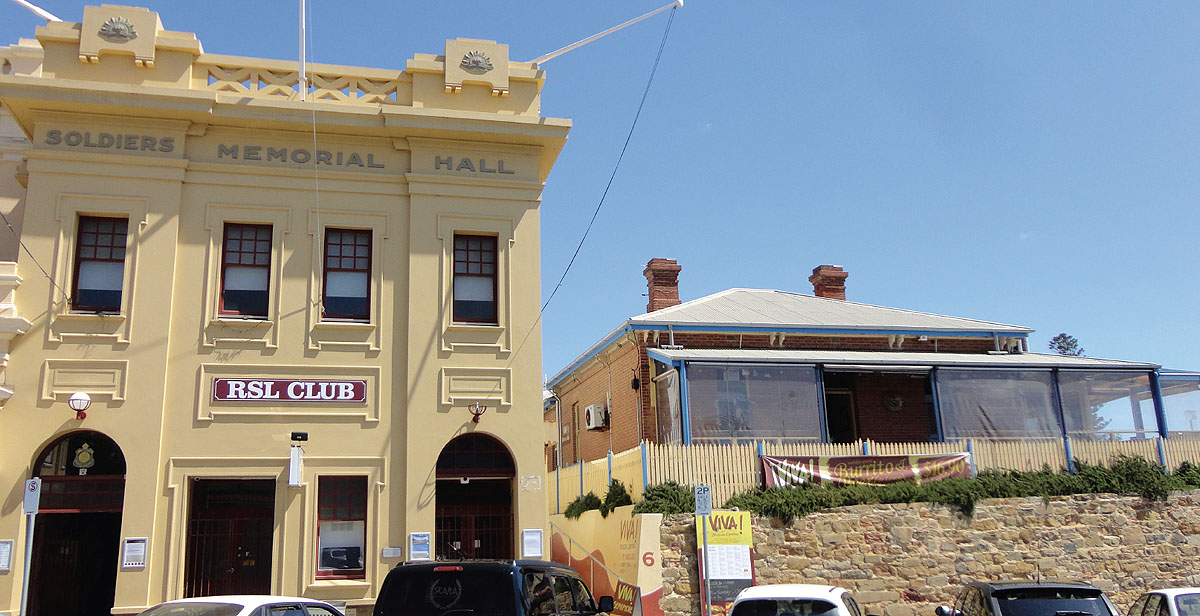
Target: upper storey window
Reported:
point(347, 274)
point(245, 270)
point(99, 264)
point(475, 279)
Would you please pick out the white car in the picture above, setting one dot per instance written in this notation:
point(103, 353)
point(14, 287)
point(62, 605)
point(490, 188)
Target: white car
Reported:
point(243, 605)
point(1167, 602)
point(795, 600)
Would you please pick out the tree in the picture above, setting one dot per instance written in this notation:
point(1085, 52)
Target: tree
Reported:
point(1093, 421)
point(1066, 345)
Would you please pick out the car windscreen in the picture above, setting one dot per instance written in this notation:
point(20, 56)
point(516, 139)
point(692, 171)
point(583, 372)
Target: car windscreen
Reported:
point(1052, 602)
point(784, 607)
point(1188, 605)
point(455, 592)
point(193, 609)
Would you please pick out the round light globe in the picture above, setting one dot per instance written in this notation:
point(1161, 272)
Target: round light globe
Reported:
point(79, 401)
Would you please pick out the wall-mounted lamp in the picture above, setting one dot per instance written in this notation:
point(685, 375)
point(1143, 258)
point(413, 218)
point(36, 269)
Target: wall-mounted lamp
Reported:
point(296, 460)
point(79, 402)
point(477, 411)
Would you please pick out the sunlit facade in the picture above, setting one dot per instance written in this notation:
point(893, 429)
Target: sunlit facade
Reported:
point(307, 329)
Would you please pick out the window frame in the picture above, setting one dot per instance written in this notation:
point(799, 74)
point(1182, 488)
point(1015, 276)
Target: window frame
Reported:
point(79, 259)
point(360, 490)
point(326, 269)
point(494, 276)
point(222, 311)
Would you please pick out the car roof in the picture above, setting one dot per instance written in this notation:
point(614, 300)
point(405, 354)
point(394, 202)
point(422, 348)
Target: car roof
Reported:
point(248, 600)
point(483, 563)
point(792, 591)
point(1018, 584)
point(1174, 592)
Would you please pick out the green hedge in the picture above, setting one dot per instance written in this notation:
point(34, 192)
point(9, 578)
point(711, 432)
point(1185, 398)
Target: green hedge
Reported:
point(1126, 475)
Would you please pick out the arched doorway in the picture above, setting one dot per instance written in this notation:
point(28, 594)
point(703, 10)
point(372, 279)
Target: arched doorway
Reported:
point(474, 499)
point(77, 534)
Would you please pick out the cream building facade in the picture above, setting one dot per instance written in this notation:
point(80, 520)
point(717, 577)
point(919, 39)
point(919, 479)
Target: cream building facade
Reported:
point(226, 270)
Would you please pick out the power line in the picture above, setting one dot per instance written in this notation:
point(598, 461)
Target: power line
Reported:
point(617, 166)
point(662, 45)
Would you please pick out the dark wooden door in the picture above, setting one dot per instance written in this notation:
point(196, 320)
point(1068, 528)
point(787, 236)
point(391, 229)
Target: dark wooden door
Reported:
point(74, 565)
point(474, 520)
point(229, 537)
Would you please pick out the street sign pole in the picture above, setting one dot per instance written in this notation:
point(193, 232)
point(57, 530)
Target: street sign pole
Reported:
point(33, 493)
point(703, 496)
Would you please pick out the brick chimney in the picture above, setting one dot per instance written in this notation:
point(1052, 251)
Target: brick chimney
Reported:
point(829, 281)
point(662, 284)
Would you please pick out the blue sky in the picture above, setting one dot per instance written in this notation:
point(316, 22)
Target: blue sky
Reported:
point(1033, 163)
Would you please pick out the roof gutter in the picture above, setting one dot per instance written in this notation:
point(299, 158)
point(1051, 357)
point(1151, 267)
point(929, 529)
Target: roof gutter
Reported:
point(591, 352)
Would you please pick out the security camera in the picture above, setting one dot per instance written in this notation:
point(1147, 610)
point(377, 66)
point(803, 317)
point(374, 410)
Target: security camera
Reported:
point(299, 437)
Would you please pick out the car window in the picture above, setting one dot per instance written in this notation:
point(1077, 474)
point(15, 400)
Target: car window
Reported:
point(1136, 608)
point(1188, 605)
point(564, 599)
point(1153, 602)
point(285, 609)
point(1058, 601)
point(538, 593)
point(193, 609)
point(972, 603)
point(784, 607)
point(456, 589)
point(851, 604)
point(583, 598)
point(319, 610)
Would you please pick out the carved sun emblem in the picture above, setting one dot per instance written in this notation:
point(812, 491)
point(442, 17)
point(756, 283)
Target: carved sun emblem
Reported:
point(475, 63)
point(893, 402)
point(117, 30)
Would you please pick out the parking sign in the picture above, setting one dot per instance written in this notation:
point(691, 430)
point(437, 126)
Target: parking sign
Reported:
point(703, 500)
point(33, 493)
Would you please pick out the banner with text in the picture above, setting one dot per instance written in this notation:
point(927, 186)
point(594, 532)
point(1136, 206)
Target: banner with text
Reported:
point(784, 471)
point(727, 559)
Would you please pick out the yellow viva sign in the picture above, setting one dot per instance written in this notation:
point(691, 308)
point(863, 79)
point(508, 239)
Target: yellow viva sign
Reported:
point(726, 528)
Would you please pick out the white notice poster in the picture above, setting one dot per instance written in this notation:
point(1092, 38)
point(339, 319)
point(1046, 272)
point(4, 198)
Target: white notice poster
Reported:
point(6, 555)
point(729, 562)
point(418, 546)
point(134, 553)
point(532, 540)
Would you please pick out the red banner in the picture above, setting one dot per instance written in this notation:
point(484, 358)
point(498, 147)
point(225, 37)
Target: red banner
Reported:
point(289, 390)
point(784, 471)
point(627, 599)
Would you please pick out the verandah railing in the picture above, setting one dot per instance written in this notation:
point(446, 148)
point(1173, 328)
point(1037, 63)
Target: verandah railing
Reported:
point(730, 468)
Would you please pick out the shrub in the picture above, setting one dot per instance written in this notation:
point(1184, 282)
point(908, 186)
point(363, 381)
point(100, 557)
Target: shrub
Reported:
point(587, 502)
point(666, 498)
point(617, 496)
point(1124, 475)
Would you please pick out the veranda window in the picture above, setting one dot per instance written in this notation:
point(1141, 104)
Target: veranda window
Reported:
point(997, 404)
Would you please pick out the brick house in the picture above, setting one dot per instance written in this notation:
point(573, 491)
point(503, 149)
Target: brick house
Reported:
point(771, 365)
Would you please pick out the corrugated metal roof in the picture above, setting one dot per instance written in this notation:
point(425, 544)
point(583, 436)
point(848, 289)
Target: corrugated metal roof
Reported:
point(782, 309)
point(897, 358)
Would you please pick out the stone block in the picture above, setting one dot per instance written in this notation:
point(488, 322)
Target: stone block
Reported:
point(877, 596)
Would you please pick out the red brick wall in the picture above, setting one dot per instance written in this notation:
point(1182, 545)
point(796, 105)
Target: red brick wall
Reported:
point(875, 422)
point(608, 375)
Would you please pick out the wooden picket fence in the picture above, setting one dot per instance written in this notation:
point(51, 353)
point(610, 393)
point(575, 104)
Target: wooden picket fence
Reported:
point(731, 468)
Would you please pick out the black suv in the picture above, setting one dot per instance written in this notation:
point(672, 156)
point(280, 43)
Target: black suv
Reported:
point(1029, 599)
point(486, 588)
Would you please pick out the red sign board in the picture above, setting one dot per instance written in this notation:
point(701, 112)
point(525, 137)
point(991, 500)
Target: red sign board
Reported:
point(289, 390)
point(783, 471)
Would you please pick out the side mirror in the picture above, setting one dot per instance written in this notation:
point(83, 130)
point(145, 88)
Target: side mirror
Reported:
point(943, 610)
point(606, 604)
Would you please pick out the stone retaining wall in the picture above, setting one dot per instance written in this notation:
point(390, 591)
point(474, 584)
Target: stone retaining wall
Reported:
point(906, 559)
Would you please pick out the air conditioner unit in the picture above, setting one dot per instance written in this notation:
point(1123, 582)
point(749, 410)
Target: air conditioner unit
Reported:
point(595, 417)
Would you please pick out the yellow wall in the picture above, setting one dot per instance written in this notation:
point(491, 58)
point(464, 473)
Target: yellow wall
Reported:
point(149, 370)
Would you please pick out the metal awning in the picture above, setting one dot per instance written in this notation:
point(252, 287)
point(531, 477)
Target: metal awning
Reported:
point(896, 360)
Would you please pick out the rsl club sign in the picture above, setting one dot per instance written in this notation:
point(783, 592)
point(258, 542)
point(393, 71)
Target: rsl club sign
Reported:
point(289, 390)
